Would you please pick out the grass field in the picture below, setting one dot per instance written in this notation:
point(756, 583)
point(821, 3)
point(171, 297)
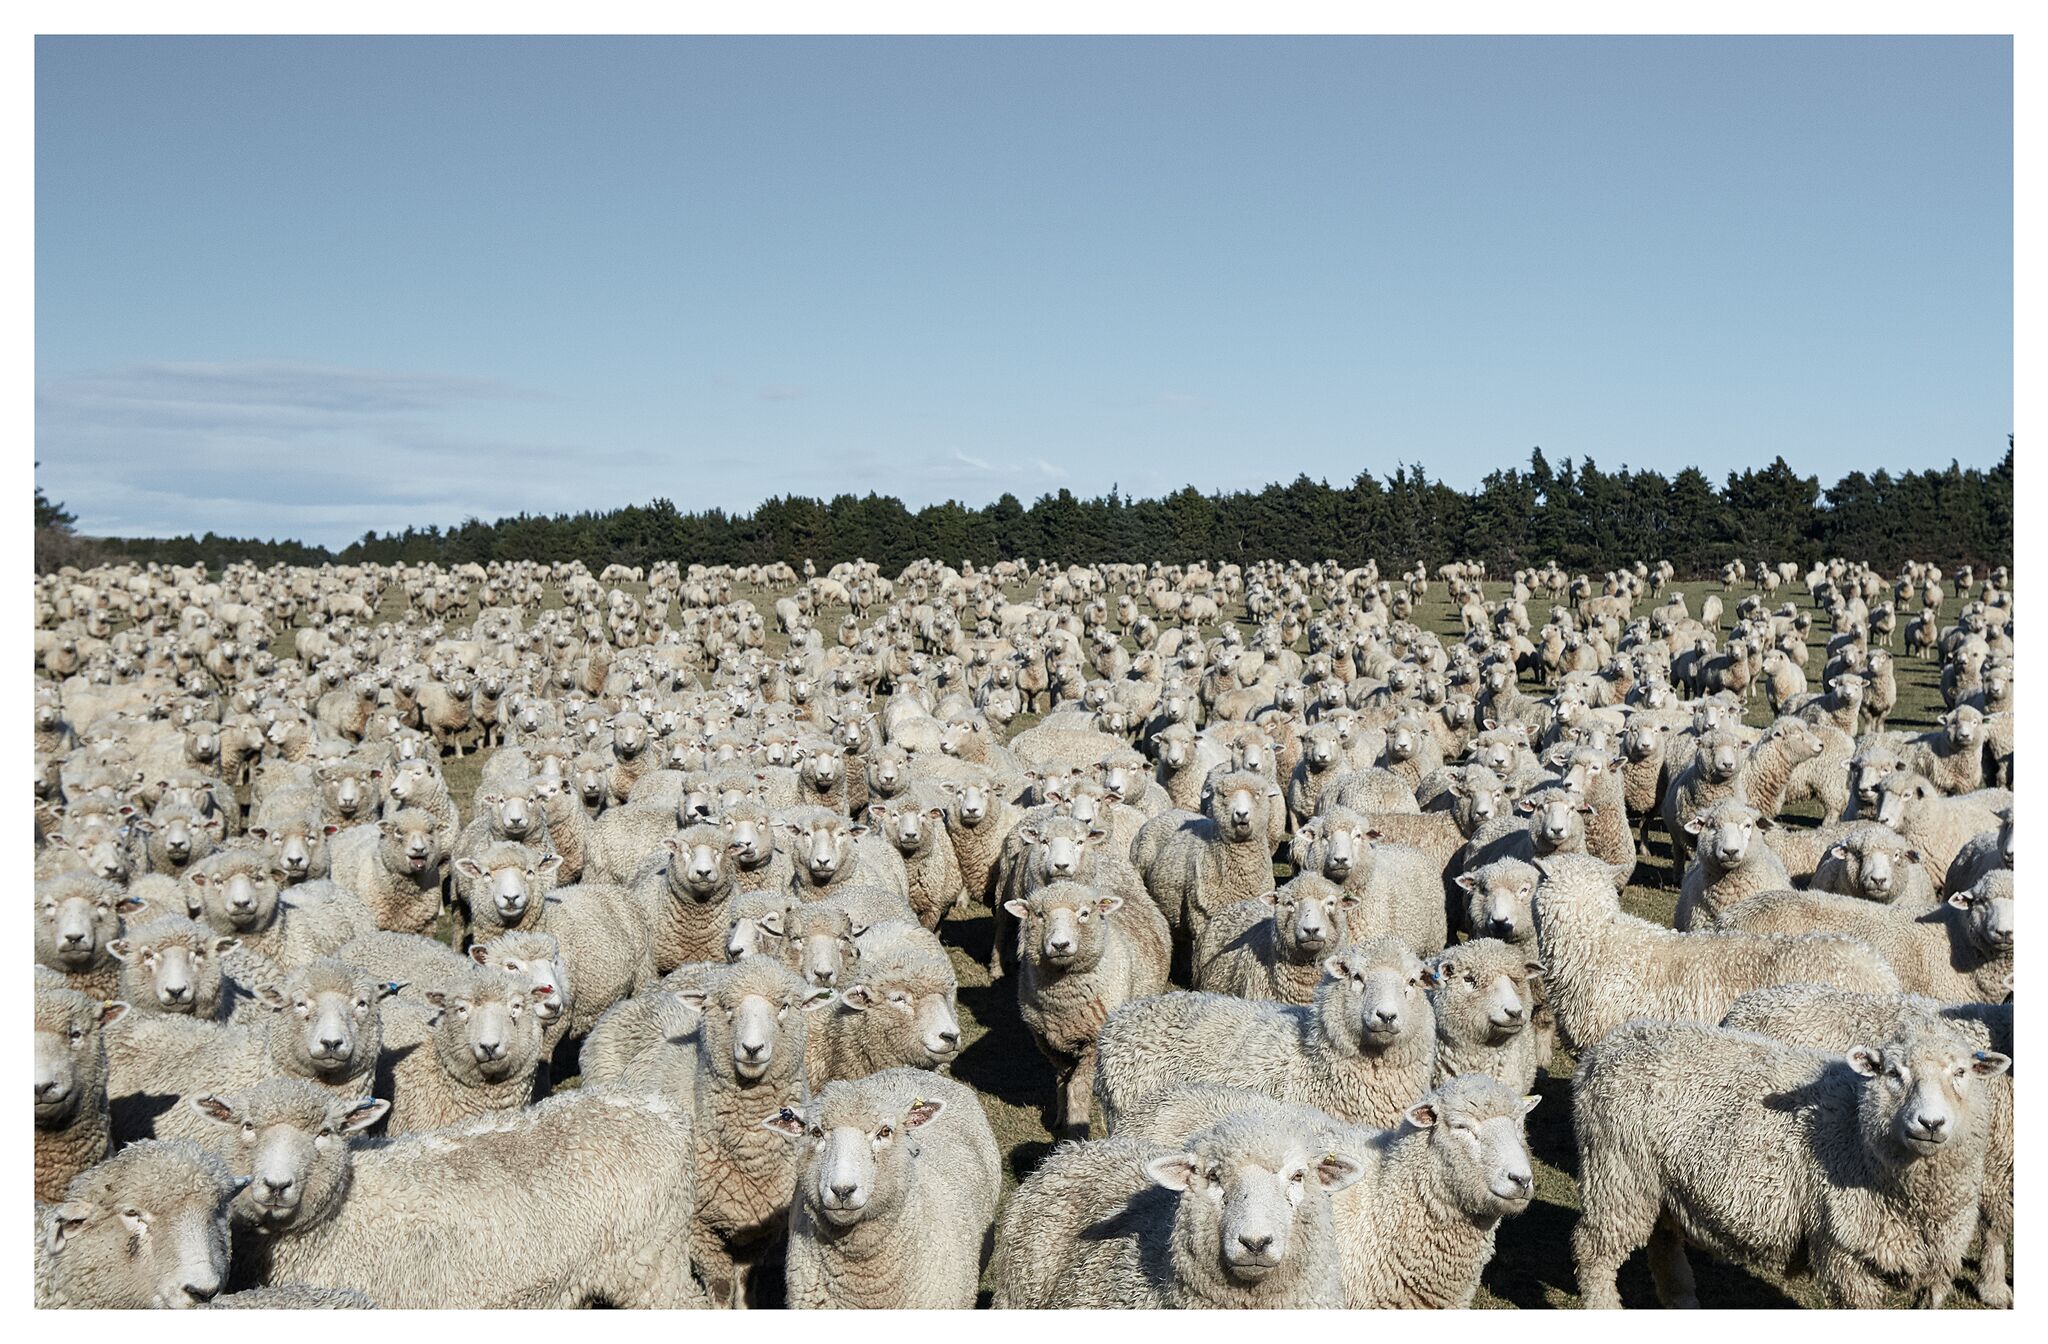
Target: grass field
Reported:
point(1532, 1266)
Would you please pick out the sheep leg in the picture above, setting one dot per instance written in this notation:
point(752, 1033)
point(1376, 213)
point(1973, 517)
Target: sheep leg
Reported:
point(1618, 1216)
point(1845, 1282)
point(1669, 1268)
point(1992, 1288)
point(1076, 1095)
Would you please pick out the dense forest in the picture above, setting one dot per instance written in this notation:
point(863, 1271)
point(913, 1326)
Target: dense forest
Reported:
point(1578, 515)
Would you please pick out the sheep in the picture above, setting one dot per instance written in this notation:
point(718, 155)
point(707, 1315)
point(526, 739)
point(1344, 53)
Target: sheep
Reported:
point(1952, 757)
point(753, 1034)
point(148, 1227)
point(77, 916)
point(604, 940)
point(1399, 888)
point(177, 835)
point(503, 886)
point(1362, 1051)
point(1710, 776)
point(898, 1176)
point(1820, 1018)
point(1867, 1169)
point(1986, 852)
point(684, 892)
point(623, 837)
point(1485, 1002)
point(394, 868)
point(827, 849)
point(1194, 866)
point(295, 840)
point(445, 713)
point(72, 1123)
point(291, 1297)
point(1960, 949)
point(1417, 1228)
point(417, 785)
point(1730, 864)
point(173, 965)
point(1603, 965)
point(915, 825)
point(471, 1049)
point(1272, 946)
point(1078, 962)
point(568, 1203)
point(1238, 1216)
point(1877, 864)
point(1875, 759)
point(534, 961)
point(902, 1009)
point(1936, 825)
point(235, 893)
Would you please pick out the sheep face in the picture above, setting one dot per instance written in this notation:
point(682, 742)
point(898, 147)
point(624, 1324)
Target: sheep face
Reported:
point(1061, 846)
point(820, 945)
point(1556, 819)
point(1898, 794)
point(1873, 861)
point(511, 880)
point(1251, 1198)
point(1499, 899)
point(76, 916)
point(410, 844)
point(70, 1058)
point(1237, 805)
point(288, 1138)
point(173, 966)
point(1921, 1089)
point(297, 846)
point(1063, 926)
point(485, 1031)
point(146, 1228)
point(1374, 996)
point(855, 1164)
point(824, 847)
point(1476, 1129)
point(913, 1013)
point(1987, 909)
point(1483, 992)
point(1311, 916)
point(752, 1022)
point(752, 843)
point(1728, 834)
point(699, 863)
point(907, 827)
point(326, 1015)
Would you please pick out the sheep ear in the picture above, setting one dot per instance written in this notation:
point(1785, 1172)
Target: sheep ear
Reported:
point(469, 868)
point(65, 1220)
point(693, 998)
point(1989, 1063)
point(815, 996)
point(1175, 1172)
point(1839, 853)
point(1467, 881)
point(785, 1122)
point(922, 1112)
point(223, 946)
point(1021, 909)
point(124, 951)
point(1338, 967)
point(860, 998)
point(1866, 1061)
point(213, 1108)
point(1335, 1171)
point(112, 1011)
point(1422, 1115)
point(1109, 905)
point(271, 997)
point(1766, 823)
point(1534, 970)
point(1958, 899)
point(1692, 827)
point(362, 1113)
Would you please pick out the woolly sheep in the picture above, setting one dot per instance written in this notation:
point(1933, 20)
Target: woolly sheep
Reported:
point(605, 943)
point(1362, 1051)
point(1603, 965)
point(915, 825)
point(567, 1203)
point(683, 892)
point(1238, 1216)
point(1399, 888)
point(1869, 1169)
point(1273, 946)
point(1835, 1020)
point(1938, 826)
point(146, 1228)
point(902, 1009)
point(898, 1176)
point(173, 965)
point(1500, 901)
point(503, 886)
point(1193, 867)
point(1960, 949)
point(1986, 852)
point(77, 917)
point(1485, 1003)
point(1877, 864)
point(1730, 864)
point(394, 868)
point(72, 1124)
point(1078, 961)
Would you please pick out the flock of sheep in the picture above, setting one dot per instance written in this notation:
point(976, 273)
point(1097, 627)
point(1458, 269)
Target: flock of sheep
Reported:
point(664, 1013)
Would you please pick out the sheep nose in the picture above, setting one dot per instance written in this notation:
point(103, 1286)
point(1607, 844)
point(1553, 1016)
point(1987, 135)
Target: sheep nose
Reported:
point(48, 1091)
point(275, 1186)
point(1503, 929)
point(752, 1049)
point(845, 1190)
point(490, 1049)
point(1513, 1014)
point(332, 1044)
point(177, 993)
point(1386, 1016)
point(1255, 1244)
point(949, 1038)
point(1059, 947)
point(73, 939)
point(1931, 1124)
point(202, 1292)
point(1522, 1181)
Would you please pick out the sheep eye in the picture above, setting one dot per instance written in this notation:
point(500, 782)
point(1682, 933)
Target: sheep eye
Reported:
point(817, 1131)
point(77, 1035)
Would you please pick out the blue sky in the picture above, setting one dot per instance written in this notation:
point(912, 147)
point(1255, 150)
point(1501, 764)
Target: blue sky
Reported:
point(306, 287)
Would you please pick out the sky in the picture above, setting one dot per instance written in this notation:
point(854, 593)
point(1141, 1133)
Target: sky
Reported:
point(313, 287)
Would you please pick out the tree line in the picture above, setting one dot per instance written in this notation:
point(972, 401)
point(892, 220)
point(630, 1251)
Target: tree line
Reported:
point(1578, 515)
